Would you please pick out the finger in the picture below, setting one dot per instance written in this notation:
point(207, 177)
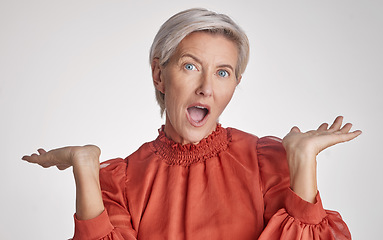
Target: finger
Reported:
point(337, 123)
point(28, 157)
point(358, 132)
point(340, 138)
point(34, 157)
point(346, 128)
point(349, 136)
point(295, 129)
point(41, 151)
point(323, 127)
point(31, 158)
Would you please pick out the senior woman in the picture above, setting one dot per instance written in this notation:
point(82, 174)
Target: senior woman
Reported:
point(198, 180)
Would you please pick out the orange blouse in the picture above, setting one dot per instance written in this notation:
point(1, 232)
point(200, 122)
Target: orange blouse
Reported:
point(232, 185)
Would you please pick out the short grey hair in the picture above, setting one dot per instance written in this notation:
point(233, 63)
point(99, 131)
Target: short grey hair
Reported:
point(192, 20)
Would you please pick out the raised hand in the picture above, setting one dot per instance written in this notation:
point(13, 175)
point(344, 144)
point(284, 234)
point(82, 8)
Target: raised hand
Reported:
point(302, 149)
point(315, 141)
point(65, 157)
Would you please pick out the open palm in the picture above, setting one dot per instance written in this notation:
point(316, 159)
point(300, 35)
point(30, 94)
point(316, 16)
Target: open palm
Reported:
point(315, 141)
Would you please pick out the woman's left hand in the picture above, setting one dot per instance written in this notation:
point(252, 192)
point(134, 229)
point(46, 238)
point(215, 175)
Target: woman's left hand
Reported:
point(302, 149)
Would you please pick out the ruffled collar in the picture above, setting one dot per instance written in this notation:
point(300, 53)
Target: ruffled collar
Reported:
point(176, 154)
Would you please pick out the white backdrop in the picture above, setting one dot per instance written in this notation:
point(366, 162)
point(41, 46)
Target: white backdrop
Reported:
point(77, 72)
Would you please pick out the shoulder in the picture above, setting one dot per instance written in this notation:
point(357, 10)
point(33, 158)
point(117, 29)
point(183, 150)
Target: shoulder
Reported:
point(265, 147)
point(236, 136)
point(117, 167)
point(270, 144)
point(272, 155)
point(113, 169)
point(261, 142)
point(113, 164)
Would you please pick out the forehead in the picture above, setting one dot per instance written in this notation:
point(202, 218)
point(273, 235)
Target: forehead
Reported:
point(208, 46)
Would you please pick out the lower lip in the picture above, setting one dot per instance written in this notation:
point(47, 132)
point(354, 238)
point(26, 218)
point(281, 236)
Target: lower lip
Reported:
point(197, 124)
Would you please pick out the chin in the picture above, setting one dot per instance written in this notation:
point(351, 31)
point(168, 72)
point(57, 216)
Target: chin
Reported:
point(186, 133)
point(196, 135)
point(195, 139)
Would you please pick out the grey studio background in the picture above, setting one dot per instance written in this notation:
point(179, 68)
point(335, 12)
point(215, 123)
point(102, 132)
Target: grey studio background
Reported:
point(77, 72)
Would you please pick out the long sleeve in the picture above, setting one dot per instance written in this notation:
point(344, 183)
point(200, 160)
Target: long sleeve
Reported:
point(287, 215)
point(115, 222)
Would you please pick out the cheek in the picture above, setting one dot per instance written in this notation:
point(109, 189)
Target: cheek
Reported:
point(173, 101)
point(177, 93)
point(223, 105)
point(225, 97)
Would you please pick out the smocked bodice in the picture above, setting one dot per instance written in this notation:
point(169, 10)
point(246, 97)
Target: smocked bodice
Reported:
point(177, 154)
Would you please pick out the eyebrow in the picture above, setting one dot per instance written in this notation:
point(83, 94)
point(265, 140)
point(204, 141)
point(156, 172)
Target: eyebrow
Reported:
point(190, 56)
point(199, 61)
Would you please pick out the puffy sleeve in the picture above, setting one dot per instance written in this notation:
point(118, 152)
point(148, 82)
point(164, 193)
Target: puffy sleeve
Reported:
point(287, 215)
point(115, 221)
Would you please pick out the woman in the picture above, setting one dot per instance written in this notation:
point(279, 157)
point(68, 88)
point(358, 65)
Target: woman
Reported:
point(198, 180)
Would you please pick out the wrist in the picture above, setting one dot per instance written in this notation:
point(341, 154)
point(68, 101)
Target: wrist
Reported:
point(86, 157)
point(86, 168)
point(303, 177)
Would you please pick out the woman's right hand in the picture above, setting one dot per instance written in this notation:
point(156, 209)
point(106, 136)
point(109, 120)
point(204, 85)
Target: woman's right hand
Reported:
point(65, 157)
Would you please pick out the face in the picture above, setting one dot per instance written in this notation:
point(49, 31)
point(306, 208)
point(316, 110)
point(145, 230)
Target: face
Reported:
point(198, 83)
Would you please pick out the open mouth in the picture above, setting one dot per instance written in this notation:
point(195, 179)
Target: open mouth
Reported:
point(197, 114)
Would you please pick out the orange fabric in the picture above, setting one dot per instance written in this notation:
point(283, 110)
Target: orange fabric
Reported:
point(231, 185)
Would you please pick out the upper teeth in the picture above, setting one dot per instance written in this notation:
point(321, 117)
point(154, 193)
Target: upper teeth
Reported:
point(199, 107)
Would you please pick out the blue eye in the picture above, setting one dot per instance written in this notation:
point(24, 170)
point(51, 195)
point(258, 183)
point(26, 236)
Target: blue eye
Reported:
point(190, 67)
point(223, 73)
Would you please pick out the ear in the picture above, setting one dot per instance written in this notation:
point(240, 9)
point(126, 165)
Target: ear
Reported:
point(158, 82)
point(239, 79)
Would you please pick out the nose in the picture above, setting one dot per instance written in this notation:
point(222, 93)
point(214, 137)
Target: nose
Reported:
point(205, 87)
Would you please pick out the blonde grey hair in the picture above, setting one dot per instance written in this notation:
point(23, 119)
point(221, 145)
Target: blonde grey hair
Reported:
point(192, 20)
